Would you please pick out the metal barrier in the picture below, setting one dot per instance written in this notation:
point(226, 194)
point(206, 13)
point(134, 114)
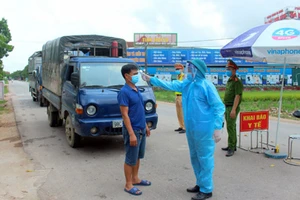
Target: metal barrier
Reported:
point(261, 148)
point(290, 159)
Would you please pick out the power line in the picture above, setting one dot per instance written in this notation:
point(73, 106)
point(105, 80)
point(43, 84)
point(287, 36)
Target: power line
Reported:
point(209, 40)
point(202, 46)
point(28, 41)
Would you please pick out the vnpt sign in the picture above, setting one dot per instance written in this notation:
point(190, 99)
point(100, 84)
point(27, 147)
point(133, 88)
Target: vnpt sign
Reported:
point(155, 39)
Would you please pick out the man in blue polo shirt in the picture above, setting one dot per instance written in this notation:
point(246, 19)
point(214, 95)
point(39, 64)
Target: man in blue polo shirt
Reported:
point(134, 130)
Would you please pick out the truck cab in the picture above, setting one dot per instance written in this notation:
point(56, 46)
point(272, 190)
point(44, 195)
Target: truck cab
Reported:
point(87, 100)
point(90, 96)
point(35, 77)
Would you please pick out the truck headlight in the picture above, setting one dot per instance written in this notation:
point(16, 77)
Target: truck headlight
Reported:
point(149, 106)
point(91, 110)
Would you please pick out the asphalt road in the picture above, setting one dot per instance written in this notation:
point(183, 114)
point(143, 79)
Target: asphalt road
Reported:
point(95, 171)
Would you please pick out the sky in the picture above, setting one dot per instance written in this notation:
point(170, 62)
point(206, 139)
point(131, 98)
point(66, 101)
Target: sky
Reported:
point(34, 22)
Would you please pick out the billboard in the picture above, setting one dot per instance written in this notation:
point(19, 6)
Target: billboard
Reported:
point(170, 56)
point(286, 13)
point(252, 76)
point(248, 76)
point(161, 62)
point(155, 39)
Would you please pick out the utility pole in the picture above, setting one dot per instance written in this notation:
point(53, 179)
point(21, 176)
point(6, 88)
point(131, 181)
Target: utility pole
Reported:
point(146, 61)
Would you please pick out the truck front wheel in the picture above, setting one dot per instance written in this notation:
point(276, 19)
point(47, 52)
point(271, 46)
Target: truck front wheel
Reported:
point(72, 137)
point(41, 103)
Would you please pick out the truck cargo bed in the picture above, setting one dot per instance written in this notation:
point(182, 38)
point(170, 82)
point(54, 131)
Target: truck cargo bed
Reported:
point(54, 99)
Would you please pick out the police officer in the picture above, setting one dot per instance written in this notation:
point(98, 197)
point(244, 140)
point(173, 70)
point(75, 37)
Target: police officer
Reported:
point(180, 76)
point(232, 100)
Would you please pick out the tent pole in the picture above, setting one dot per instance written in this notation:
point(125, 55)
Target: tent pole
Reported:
point(280, 105)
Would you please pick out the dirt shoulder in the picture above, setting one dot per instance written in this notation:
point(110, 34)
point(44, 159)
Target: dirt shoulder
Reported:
point(18, 177)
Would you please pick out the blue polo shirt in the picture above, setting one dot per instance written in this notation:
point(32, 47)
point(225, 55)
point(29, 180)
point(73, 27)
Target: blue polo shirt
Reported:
point(134, 101)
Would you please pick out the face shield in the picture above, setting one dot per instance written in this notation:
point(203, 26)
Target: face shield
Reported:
point(190, 71)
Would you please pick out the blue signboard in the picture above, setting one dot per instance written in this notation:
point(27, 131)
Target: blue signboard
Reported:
point(252, 76)
point(170, 56)
point(249, 76)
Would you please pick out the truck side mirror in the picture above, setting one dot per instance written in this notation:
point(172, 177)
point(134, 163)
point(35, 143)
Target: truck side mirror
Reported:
point(34, 73)
point(75, 79)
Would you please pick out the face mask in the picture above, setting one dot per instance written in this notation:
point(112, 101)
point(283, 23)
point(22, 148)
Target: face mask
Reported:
point(135, 79)
point(229, 73)
point(177, 72)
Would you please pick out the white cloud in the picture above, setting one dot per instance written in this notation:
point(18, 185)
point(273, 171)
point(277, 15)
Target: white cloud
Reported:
point(162, 24)
point(204, 15)
point(34, 22)
point(206, 20)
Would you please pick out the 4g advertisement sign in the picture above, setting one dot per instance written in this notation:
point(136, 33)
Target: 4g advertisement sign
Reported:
point(258, 120)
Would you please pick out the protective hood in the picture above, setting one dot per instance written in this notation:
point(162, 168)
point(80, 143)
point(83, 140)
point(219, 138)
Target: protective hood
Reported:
point(201, 66)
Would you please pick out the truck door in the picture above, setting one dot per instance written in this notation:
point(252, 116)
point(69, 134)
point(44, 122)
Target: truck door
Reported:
point(69, 92)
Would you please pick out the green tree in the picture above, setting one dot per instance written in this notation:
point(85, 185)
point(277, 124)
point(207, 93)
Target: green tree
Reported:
point(5, 38)
point(25, 72)
point(1, 71)
point(16, 74)
point(20, 74)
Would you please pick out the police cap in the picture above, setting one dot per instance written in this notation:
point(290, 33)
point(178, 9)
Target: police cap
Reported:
point(232, 64)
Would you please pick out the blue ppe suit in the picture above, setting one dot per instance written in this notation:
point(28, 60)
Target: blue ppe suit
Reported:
point(203, 113)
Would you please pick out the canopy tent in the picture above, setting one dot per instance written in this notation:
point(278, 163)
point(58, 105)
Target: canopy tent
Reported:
point(278, 42)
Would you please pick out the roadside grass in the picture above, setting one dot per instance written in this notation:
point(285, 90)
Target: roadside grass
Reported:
point(5, 89)
point(6, 81)
point(3, 108)
point(254, 101)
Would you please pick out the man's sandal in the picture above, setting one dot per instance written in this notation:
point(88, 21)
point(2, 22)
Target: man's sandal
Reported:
point(143, 183)
point(134, 191)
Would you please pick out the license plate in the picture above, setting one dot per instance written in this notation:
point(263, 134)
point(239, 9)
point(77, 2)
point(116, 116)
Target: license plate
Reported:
point(117, 124)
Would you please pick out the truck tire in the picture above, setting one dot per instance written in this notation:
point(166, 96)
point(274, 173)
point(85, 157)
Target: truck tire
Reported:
point(60, 121)
point(40, 99)
point(41, 103)
point(73, 138)
point(52, 117)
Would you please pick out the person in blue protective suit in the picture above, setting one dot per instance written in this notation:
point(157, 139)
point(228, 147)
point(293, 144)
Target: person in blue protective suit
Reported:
point(203, 113)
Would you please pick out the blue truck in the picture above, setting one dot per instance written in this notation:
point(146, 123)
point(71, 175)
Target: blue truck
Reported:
point(35, 77)
point(81, 80)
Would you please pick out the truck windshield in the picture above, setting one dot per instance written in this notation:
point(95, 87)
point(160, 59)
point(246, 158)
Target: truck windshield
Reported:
point(104, 75)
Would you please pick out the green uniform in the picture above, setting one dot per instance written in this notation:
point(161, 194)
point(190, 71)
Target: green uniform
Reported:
point(234, 87)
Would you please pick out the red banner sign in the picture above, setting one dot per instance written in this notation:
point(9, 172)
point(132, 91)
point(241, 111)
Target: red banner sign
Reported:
point(286, 13)
point(258, 120)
